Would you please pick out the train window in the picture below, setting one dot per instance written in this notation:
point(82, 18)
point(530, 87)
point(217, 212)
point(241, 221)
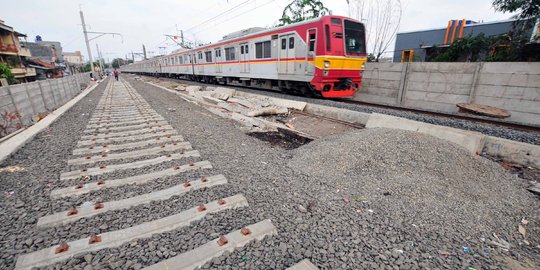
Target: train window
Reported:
point(242, 49)
point(335, 21)
point(200, 55)
point(208, 56)
point(181, 60)
point(327, 33)
point(354, 38)
point(218, 52)
point(230, 54)
point(283, 43)
point(247, 50)
point(262, 49)
point(312, 37)
point(291, 43)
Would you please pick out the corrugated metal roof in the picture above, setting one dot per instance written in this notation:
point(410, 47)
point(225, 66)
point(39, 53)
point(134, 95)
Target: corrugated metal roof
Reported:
point(468, 25)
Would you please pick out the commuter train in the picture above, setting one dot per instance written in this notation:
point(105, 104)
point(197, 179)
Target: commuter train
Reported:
point(323, 56)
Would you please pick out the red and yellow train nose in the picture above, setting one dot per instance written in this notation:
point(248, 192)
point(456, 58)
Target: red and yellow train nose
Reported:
point(338, 76)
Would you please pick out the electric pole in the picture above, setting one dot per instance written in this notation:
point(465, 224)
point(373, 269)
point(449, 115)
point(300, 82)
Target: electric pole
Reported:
point(144, 52)
point(87, 43)
point(100, 60)
point(100, 34)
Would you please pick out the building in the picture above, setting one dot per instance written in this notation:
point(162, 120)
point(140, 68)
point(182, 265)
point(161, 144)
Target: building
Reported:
point(73, 61)
point(73, 57)
point(416, 45)
point(45, 58)
point(13, 55)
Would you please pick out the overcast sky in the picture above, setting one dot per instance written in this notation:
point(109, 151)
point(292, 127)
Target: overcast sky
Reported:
point(146, 21)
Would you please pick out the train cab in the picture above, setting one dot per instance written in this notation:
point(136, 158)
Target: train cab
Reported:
point(341, 56)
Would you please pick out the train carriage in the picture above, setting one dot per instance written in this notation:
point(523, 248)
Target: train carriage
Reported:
point(322, 56)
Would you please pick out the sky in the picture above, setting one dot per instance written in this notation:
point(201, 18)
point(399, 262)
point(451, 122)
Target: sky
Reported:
point(146, 22)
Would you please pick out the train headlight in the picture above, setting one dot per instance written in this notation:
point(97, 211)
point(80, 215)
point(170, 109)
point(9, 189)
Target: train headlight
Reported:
point(326, 64)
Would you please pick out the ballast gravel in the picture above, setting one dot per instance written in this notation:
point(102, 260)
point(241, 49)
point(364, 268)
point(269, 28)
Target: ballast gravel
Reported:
point(314, 221)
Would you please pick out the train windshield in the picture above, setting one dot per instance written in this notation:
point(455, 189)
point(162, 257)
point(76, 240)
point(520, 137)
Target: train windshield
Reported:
point(355, 43)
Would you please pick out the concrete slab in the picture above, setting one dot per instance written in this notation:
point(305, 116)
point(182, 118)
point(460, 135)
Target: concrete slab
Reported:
point(138, 179)
point(197, 257)
point(291, 104)
point(122, 123)
point(473, 142)
point(161, 129)
point(115, 147)
point(124, 128)
point(133, 154)
point(111, 239)
point(107, 140)
point(127, 166)
point(89, 209)
point(512, 151)
point(337, 113)
point(128, 120)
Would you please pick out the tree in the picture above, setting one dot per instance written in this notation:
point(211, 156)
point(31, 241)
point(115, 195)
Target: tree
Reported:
point(528, 13)
point(87, 67)
point(5, 73)
point(382, 19)
point(527, 9)
point(300, 10)
point(117, 62)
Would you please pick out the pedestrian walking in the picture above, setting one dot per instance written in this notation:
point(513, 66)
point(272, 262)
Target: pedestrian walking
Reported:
point(115, 74)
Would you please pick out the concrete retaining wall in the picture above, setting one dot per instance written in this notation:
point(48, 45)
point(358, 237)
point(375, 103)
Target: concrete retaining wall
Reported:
point(440, 86)
point(39, 97)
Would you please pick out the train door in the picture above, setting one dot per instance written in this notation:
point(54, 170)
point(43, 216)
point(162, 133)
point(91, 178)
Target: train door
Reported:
point(311, 49)
point(200, 60)
point(193, 61)
point(244, 58)
point(286, 54)
point(217, 53)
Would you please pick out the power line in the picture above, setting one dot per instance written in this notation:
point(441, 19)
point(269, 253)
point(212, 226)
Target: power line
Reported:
point(236, 16)
point(220, 14)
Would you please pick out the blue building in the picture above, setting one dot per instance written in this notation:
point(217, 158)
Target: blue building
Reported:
point(416, 45)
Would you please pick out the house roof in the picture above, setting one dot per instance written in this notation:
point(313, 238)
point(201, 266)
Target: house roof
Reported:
point(42, 63)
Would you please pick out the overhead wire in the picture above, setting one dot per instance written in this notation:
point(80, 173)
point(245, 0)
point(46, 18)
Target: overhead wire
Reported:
point(219, 15)
point(236, 16)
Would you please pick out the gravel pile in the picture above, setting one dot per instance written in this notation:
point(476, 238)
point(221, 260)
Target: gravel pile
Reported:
point(418, 179)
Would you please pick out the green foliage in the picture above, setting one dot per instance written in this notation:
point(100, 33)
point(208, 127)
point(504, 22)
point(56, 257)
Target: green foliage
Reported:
point(88, 68)
point(5, 73)
point(13, 61)
point(502, 48)
point(300, 10)
point(117, 62)
point(526, 8)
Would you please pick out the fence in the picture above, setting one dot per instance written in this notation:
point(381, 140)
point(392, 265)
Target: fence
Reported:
point(440, 86)
point(29, 101)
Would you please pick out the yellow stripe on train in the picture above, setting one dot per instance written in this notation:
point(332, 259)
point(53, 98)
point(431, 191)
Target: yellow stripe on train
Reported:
point(340, 62)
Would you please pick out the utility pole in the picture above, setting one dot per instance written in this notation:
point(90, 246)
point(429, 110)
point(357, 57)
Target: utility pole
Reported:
point(182, 38)
point(100, 60)
point(100, 34)
point(87, 43)
point(144, 52)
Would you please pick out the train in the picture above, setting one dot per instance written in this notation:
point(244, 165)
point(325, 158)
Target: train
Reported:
point(324, 57)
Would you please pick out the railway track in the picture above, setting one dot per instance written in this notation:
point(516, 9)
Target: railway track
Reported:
point(471, 118)
point(461, 117)
point(125, 134)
